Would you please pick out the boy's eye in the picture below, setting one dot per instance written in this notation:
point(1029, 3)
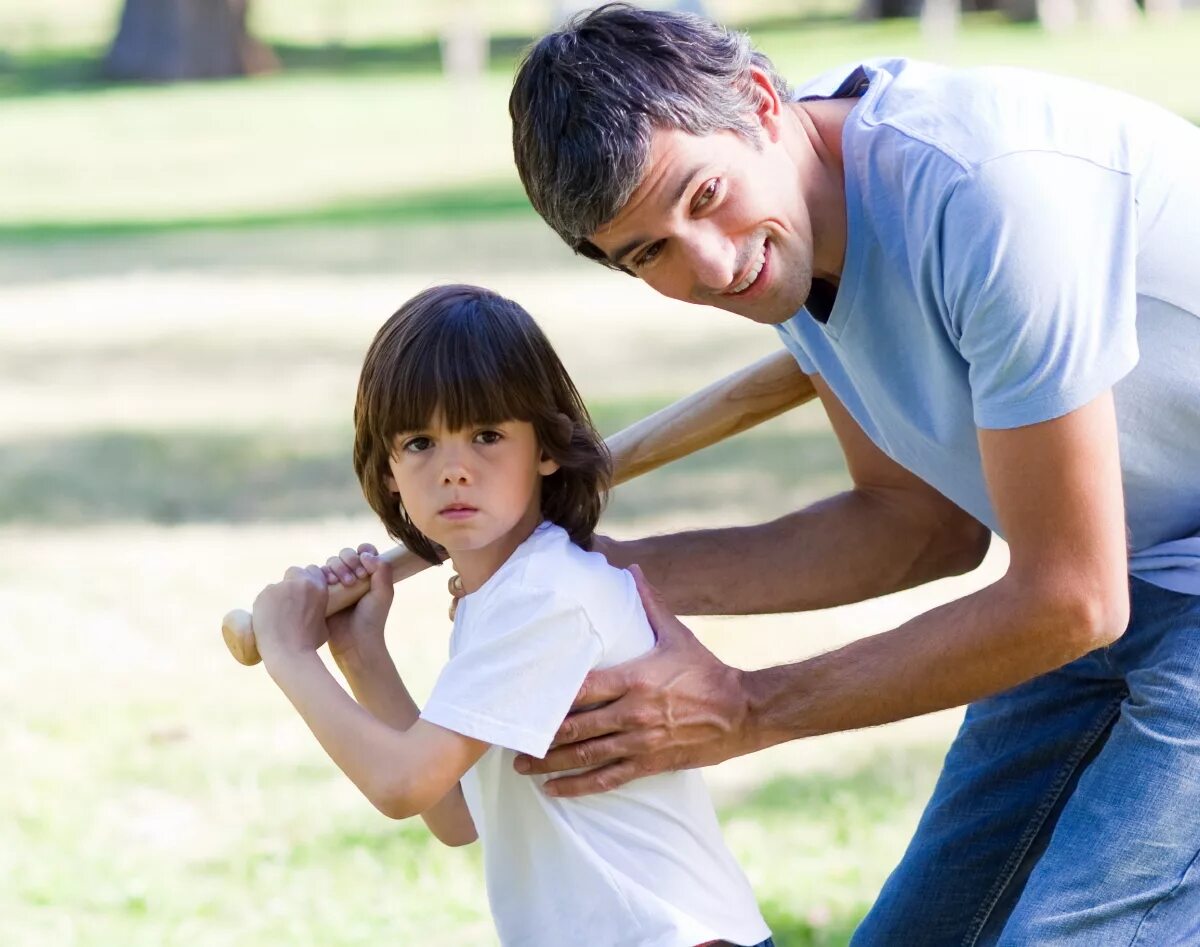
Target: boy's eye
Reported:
point(415, 445)
point(488, 437)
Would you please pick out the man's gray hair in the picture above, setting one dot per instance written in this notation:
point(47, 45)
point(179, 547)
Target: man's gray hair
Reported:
point(588, 95)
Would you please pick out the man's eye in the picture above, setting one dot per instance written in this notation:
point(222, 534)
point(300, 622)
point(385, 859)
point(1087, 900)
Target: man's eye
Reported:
point(649, 254)
point(415, 445)
point(707, 194)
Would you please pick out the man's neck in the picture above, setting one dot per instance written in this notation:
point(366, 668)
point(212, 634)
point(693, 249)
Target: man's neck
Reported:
point(818, 156)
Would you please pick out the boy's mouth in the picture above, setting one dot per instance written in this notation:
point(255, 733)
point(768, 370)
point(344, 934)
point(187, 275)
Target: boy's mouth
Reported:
point(457, 511)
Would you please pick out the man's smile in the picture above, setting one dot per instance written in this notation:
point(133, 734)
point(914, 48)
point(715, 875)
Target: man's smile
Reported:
point(754, 277)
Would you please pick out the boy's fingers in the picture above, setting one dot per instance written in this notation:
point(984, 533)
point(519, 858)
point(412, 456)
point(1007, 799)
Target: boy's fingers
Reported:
point(341, 570)
point(381, 580)
point(353, 563)
point(368, 548)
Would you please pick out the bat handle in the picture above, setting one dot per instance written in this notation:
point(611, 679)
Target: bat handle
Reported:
point(237, 628)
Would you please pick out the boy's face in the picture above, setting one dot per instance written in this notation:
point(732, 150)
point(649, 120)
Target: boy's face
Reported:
point(475, 491)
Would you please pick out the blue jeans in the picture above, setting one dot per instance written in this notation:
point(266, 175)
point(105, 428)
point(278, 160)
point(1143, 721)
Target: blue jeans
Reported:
point(1068, 809)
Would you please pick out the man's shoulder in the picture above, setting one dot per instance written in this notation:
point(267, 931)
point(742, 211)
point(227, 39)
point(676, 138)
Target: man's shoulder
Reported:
point(975, 115)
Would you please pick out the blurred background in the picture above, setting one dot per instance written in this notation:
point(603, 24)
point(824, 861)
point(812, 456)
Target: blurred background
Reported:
point(206, 209)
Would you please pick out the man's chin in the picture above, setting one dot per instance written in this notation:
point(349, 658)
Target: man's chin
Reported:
point(765, 312)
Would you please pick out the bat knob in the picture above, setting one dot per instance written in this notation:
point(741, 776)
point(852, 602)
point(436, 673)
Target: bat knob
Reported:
point(238, 633)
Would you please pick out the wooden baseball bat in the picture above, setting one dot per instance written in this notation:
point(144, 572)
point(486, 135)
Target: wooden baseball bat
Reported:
point(737, 402)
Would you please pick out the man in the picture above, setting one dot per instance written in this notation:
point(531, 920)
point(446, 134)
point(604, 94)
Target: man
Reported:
point(988, 276)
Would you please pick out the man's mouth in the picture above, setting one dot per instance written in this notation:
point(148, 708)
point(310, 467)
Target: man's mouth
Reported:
point(750, 277)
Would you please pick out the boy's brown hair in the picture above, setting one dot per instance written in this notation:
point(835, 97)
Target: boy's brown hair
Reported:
point(476, 358)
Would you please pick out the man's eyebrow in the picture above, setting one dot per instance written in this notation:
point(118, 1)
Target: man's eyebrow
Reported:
point(684, 183)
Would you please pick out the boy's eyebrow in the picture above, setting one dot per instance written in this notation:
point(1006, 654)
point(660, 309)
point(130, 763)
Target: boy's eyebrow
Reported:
point(684, 183)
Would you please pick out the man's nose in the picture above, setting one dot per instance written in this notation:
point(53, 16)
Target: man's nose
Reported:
point(712, 259)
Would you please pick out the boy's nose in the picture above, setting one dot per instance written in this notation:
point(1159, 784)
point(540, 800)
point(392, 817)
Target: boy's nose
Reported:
point(455, 469)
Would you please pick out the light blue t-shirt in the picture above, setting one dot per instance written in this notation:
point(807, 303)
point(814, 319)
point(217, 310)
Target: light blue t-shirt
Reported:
point(1018, 244)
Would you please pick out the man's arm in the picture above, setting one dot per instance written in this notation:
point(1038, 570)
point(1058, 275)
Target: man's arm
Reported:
point(891, 531)
point(1056, 488)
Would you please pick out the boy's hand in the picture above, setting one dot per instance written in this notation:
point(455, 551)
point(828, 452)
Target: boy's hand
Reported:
point(362, 625)
point(289, 616)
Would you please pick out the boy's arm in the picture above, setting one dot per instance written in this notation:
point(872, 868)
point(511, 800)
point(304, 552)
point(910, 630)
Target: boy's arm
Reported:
point(372, 676)
point(402, 772)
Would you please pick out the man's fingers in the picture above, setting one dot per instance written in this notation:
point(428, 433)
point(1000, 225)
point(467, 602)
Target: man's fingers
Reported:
point(586, 755)
point(667, 628)
point(602, 687)
point(589, 724)
point(597, 780)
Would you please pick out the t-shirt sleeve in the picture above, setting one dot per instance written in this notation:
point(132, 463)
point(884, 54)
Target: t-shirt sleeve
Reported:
point(1040, 284)
point(525, 653)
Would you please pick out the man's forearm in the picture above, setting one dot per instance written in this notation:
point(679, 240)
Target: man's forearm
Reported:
point(965, 650)
point(844, 549)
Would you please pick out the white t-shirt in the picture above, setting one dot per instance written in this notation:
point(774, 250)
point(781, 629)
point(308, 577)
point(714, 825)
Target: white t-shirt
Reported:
point(642, 865)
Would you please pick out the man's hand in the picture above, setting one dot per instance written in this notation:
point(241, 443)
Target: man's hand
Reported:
point(362, 625)
point(289, 616)
point(674, 708)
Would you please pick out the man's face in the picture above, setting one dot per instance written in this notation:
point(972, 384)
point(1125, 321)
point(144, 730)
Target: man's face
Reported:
point(717, 222)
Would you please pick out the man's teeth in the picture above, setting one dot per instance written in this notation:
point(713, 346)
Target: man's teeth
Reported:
point(753, 274)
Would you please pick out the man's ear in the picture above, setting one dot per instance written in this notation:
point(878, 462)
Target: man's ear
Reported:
point(769, 106)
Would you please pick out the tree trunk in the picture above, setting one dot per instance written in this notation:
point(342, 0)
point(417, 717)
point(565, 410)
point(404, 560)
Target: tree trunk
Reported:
point(170, 40)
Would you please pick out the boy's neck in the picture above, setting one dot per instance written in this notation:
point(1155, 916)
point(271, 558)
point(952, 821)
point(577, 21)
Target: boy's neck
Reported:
point(476, 566)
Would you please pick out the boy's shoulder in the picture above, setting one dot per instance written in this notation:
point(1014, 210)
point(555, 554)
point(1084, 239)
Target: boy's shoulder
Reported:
point(550, 561)
point(551, 566)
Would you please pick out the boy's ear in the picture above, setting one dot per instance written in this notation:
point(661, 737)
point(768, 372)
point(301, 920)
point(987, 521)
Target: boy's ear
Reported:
point(547, 466)
point(390, 482)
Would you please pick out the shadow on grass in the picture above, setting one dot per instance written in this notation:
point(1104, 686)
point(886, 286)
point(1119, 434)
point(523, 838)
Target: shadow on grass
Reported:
point(475, 201)
point(55, 71)
point(211, 476)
